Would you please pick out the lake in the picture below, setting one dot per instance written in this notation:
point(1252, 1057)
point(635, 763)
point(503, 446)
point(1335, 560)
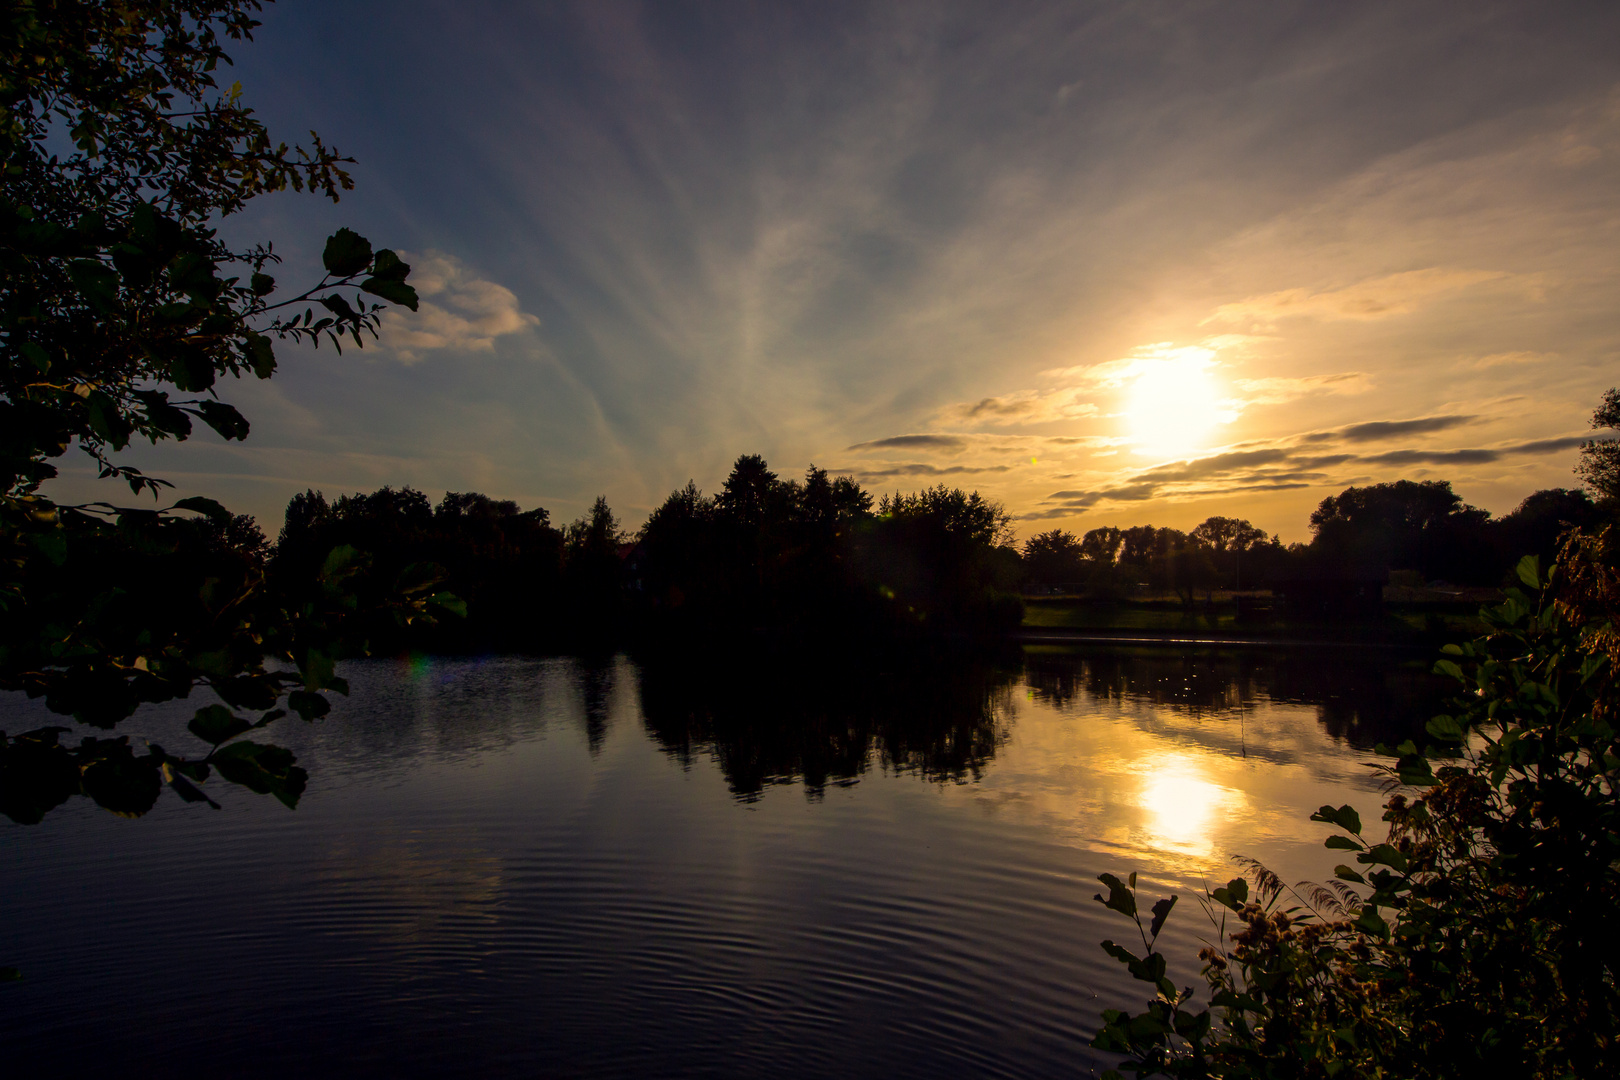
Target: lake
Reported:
point(796, 866)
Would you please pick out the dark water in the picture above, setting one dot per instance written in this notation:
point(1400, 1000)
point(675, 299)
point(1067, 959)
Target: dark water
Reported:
point(790, 868)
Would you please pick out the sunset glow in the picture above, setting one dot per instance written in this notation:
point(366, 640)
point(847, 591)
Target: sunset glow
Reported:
point(1011, 263)
point(1173, 405)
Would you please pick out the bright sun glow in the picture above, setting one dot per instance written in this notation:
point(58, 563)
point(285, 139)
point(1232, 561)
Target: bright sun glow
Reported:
point(1173, 402)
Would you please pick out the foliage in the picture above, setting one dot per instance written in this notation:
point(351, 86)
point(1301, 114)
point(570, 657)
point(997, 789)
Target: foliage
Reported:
point(121, 310)
point(1599, 467)
point(1054, 557)
point(809, 556)
point(1476, 937)
point(1225, 534)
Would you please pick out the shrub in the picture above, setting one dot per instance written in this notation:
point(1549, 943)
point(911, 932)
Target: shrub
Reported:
point(1475, 938)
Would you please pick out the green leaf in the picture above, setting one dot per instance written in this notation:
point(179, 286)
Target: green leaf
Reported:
point(1234, 894)
point(318, 670)
point(347, 253)
point(1345, 873)
point(51, 543)
point(1445, 728)
point(1385, 855)
point(1120, 953)
point(35, 355)
point(1161, 911)
point(307, 705)
point(260, 354)
point(1370, 922)
point(224, 419)
point(122, 783)
point(214, 724)
point(1341, 842)
point(1345, 817)
point(339, 307)
point(395, 292)
point(338, 559)
point(267, 770)
point(1529, 571)
point(163, 416)
point(106, 420)
point(1448, 667)
point(96, 282)
point(207, 507)
point(389, 267)
point(449, 602)
point(1120, 898)
point(10, 974)
point(262, 284)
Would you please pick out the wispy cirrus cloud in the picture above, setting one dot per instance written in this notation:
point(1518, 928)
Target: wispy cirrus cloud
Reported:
point(1375, 298)
point(1505, 359)
point(1279, 390)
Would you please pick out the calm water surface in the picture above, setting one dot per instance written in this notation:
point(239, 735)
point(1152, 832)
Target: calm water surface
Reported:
point(516, 866)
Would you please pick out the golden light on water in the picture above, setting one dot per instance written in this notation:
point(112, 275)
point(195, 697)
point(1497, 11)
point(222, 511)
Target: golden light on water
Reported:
point(1181, 808)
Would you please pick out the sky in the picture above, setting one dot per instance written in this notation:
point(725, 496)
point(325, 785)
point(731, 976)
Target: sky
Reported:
point(1109, 263)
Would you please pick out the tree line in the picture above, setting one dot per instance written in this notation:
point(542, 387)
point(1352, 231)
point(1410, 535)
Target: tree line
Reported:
point(821, 554)
point(1419, 530)
point(763, 553)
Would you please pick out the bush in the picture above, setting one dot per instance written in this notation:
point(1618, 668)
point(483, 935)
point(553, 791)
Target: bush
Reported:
point(1476, 937)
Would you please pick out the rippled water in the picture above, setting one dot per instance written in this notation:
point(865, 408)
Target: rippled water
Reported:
point(513, 866)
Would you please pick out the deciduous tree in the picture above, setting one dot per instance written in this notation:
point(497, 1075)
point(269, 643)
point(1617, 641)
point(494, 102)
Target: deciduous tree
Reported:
point(123, 314)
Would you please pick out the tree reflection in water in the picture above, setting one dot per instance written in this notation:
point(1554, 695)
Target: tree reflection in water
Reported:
point(1362, 696)
point(827, 718)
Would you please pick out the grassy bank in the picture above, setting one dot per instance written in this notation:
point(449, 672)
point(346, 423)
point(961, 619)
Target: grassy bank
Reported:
point(1415, 620)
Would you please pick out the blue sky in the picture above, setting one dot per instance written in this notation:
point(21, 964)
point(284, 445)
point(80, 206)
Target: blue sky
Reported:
point(1108, 262)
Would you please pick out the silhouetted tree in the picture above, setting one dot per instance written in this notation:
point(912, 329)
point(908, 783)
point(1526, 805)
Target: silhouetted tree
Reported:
point(1599, 467)
point(504, 563)
point(1405, 525)
point(1100, 546)
point(124, 315)
point(1537, 525)
point(1225, 534)
point(1053, 558)
point(593, 570)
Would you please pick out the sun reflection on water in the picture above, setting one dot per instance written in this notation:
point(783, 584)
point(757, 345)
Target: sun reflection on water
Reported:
point(1182, 808)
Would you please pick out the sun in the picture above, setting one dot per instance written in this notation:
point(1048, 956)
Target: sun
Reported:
point(1173, 403)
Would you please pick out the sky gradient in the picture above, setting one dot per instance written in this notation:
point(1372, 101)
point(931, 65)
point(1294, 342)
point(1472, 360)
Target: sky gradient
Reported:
point(1110, 263)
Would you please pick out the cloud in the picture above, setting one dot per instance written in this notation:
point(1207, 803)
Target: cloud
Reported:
point(1551, 446)
point(1476, 456)
point(1281, 468)
point(1112, 374)
point(1434, 457)
point(920, 469)
point(459, 310)
point(1277, 390)
point(1503, 359)
point(1375, 298)
point(1048, 515)
point(1375, 430)
point(1025, 407)
point(947, 443)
